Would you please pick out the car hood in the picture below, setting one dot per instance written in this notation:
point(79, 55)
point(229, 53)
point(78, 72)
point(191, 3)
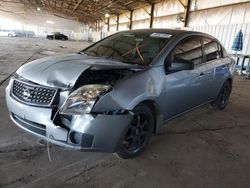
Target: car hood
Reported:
point(63, 71)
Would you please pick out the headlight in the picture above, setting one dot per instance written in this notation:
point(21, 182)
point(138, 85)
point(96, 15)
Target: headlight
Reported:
point(82, 100)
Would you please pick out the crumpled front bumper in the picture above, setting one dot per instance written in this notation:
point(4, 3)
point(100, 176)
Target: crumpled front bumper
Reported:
point(84, 132)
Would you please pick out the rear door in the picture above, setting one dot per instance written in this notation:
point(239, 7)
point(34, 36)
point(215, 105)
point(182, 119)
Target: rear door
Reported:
point(217, 66)
point(185, 89)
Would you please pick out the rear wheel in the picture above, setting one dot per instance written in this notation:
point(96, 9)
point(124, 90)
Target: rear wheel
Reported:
point(138, 134)
point(222, 100)
point(10, 35)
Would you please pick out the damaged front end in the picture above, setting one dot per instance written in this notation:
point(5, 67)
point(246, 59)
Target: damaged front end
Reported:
point(71, 120)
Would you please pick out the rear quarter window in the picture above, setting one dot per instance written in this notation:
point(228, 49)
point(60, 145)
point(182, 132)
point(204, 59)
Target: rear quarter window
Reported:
point(213, 49)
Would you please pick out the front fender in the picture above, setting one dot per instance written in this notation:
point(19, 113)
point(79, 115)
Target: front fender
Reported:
point(147, 85)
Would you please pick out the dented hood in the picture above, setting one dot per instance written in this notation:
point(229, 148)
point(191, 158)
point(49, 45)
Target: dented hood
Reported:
point(63, 71)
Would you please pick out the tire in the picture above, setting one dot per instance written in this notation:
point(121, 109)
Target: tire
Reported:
point(10, 35)
point(138, 134)
point(223, 97)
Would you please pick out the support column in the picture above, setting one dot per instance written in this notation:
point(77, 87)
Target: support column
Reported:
point(186, 12)
point(117, 23)
point(131, 20)
point(152, 15)
point(108, 24)
point(98, 25)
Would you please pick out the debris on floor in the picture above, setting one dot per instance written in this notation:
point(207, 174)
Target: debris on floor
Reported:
point(47, 52)
point(62, 46)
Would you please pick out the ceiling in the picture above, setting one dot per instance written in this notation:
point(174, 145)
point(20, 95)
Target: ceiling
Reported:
point(85, 10)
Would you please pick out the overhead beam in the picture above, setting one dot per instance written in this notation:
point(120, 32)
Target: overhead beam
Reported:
point(76, 6)
point(122, 5)
point(146, 11)
point(183, 4)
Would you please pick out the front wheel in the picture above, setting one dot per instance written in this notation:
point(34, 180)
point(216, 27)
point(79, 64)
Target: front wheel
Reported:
point(222, 100)
point(138, 134)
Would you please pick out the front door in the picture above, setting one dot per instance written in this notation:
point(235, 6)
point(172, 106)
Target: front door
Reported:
point(185, 78)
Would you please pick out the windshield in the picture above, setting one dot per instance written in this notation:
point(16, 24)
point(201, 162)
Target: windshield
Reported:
point(130, 47)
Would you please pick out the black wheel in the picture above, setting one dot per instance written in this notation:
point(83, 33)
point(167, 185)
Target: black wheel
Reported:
point(222, 100)
point(138, 134)
point(10, 35)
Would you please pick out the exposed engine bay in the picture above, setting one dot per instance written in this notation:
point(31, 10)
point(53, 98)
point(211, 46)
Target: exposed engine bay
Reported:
point(97, 76)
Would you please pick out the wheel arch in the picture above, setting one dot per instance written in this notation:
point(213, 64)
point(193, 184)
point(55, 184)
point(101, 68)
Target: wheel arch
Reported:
point(230, 81)
point(158, 118)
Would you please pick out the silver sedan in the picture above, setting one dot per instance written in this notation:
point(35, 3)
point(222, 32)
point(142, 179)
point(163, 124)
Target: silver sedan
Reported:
point(115, 94)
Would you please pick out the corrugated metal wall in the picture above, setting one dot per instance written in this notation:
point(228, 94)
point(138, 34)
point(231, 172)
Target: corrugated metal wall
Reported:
point(222, 19)
point(227, 33)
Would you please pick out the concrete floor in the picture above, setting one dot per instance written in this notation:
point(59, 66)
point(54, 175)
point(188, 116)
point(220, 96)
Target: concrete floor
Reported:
point(204, 148)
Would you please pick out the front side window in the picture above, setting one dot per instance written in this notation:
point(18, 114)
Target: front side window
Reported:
point(185, 55)
point(130, 47)
point(189, 50)
point(212, 49)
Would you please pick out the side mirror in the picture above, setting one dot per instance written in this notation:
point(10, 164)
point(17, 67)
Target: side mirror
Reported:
point(168, 61)
point(173, 64)
point(182, 65)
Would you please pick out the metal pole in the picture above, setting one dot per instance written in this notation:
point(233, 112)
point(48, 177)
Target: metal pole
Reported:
point(77, 34)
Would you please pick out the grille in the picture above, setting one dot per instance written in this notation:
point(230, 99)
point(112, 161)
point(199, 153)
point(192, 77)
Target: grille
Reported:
point(32, 126)
point(33, 94)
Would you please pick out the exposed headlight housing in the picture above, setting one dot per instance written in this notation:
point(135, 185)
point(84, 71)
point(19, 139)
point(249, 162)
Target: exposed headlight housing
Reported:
point(82, 100)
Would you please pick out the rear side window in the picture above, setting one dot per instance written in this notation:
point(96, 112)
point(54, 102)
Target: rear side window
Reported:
point(189, 50)
point(213, 50)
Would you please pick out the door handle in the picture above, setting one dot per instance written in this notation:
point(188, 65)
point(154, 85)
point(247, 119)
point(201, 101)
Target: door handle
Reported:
point(201, 74)
point(224, 66)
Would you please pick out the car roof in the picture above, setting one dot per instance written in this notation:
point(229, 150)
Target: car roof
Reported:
point(173, 32)
point(169, 31)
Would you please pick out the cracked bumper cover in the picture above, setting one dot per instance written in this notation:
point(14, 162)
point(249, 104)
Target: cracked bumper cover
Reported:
point(96, 133)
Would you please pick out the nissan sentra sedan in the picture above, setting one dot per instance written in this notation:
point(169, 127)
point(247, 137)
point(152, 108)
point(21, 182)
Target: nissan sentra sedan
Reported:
point(115, 94)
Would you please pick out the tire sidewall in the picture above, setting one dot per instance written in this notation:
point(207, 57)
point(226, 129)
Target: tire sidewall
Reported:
point(217, 102)
point(122, 153)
